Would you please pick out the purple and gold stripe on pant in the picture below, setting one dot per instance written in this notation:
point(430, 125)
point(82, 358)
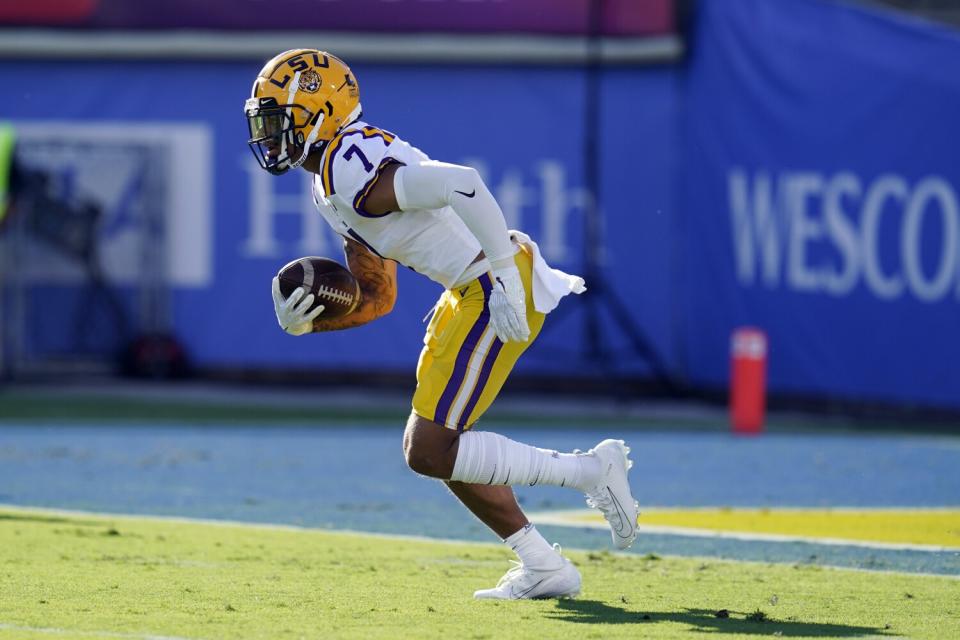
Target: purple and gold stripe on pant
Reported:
point(463, 365)
point(471, 370)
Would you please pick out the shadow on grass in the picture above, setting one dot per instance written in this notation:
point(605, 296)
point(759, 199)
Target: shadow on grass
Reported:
point(38, 518)
point(704, 620)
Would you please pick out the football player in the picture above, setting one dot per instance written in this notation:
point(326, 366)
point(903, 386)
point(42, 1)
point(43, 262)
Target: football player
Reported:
point(392, 204)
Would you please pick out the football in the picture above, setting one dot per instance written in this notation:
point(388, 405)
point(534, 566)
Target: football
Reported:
point(330, 282)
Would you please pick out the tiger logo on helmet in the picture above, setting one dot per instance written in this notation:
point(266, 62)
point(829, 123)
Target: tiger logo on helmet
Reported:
point(300, 100)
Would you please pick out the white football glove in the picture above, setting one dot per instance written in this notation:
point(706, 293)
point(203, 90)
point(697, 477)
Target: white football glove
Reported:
point(294, 318)
point(508, 306)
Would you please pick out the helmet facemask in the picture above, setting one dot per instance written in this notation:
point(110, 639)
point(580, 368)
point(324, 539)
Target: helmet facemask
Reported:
point(276, 139)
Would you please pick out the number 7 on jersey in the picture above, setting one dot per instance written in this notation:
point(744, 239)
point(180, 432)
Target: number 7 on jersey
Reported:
point(355, 150)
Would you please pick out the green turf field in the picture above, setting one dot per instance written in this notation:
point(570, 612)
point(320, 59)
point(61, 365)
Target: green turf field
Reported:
point(83, 576)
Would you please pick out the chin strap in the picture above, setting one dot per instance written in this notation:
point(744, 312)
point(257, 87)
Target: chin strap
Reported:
point(308, 143)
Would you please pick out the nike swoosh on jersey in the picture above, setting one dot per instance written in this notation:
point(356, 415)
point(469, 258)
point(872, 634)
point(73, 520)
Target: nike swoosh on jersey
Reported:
point(467, 195)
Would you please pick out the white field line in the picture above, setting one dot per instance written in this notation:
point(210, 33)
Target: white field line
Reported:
point(77, 632)
point(574, 518)
point(411, 538)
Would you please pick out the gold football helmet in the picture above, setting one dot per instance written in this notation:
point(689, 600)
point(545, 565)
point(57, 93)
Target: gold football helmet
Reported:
point(300, 99)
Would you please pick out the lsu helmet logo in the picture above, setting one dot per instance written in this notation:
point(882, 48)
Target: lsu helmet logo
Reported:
point(310, 81)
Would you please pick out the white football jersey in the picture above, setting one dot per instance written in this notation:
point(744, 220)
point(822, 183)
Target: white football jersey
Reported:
point(433, 242)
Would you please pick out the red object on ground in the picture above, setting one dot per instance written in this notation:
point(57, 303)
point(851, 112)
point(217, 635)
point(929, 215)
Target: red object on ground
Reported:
point(748, 380)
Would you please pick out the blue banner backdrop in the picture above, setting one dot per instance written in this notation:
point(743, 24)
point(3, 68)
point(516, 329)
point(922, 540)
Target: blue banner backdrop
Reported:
point(521, 127)
point(821, 197)
point(798, 174)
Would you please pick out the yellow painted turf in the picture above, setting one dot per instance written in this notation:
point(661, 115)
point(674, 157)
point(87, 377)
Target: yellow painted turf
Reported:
point(940, 527)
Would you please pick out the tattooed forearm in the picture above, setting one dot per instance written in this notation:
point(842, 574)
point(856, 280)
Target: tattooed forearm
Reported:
point(378, 288)
point(378, 281)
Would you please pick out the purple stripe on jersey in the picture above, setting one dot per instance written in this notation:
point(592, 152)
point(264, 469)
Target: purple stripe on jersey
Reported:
point(463, 358)
point(481, 382)
point(360, 202)
point(328, 170)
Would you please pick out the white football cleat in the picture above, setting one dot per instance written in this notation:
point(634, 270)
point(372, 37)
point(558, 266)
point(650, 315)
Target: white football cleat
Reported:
point(612, 494)
point(521, 583)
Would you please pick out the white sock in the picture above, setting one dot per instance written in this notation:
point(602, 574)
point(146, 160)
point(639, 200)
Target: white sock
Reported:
point(484, 457)
point(533, 550)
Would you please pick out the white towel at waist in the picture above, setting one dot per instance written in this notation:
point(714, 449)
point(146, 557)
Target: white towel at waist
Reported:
point(549, 284)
